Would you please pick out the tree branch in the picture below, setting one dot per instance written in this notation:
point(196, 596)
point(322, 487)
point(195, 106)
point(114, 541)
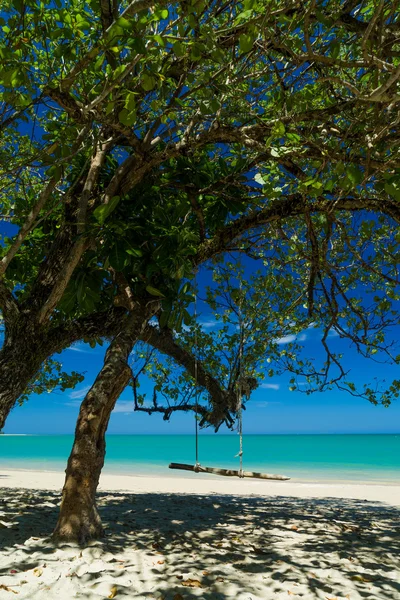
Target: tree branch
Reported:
point(222, 400)
point(79, 247)
point(28, 225)
point(285, 208)
point(8, 305)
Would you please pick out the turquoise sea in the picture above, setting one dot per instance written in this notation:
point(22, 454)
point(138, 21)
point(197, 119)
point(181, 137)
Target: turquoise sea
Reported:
point(374, 458)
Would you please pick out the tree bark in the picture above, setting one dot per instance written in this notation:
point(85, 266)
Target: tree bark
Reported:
point(27, 346)
point(79, 520)
point(12, 384)
point(20, 360)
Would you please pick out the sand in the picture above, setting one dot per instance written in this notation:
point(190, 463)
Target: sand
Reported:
point(177, 538)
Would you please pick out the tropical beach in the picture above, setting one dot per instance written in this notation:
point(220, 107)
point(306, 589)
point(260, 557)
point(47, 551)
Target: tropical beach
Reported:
point(171, 535)
point(199, 299)
point(177, 538)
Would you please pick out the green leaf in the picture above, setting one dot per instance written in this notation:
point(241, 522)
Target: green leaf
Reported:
point(355, 174)
point(117, 257)
point(127, 117)
point(130, 102)
point(164, 318)
point(196, 52)
point(148, 82)
point(393, 189)
point(138, 44)
point(134, 252)
point(110, 107)
point(259, 179)
point(179, 49)
point(154, 291)
point(102, 212)
point(246, 42)
point(124, 23)
point(279, 129)
point(160, 40)
point(246, 14)
point(187, 317)
point(160, 14)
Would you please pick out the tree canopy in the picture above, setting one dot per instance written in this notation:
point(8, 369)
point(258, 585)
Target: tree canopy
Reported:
point(141, 142)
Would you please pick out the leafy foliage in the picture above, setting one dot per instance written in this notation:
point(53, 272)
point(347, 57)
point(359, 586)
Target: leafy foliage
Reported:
point(51, 377)
point(136, 147)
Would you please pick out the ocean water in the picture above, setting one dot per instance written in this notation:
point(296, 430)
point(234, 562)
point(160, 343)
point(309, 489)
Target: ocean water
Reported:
point(373, 458)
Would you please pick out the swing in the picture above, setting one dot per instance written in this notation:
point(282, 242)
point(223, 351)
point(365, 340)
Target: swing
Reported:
point(197, 467)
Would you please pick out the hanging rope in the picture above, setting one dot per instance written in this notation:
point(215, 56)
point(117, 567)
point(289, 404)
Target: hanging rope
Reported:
point(196, 420)
point(240, 418)
point(239, 405)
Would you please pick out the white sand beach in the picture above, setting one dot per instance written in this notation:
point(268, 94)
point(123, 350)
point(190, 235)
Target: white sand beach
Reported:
point(177, 538)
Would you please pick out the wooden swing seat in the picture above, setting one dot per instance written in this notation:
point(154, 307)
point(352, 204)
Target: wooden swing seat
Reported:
point(227, 472)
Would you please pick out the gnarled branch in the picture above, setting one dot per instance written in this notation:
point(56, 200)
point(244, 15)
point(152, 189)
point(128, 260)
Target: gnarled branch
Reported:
point(222, 400)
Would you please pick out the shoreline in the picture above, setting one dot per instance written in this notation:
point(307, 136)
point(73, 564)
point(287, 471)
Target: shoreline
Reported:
point(388, 493)
point(168, 474)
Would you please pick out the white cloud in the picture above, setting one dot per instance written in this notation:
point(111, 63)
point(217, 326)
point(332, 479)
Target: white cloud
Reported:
point(264, 403)
point(73, 403)
point(79, 348)
point(287, 339)
point(333, 333)
point(270, 386)
point(209, 324)
point(79, 394)
point(124, 406)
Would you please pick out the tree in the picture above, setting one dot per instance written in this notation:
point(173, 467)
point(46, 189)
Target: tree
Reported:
point(135, 148)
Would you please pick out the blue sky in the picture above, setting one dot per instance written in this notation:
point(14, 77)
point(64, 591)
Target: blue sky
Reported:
point(272, 409)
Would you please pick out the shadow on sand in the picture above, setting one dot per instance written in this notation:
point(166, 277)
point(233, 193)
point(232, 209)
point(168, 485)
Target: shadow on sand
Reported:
point(225, 547)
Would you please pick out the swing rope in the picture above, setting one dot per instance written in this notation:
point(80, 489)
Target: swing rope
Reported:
point(196, 420)
point(197, 468)
point(239, 405)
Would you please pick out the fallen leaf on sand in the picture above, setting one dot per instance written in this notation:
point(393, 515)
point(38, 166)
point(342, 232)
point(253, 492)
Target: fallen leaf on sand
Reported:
point(259, 550)
point(160, 562)
point(156, 546)
point(193, 583)
point(205, 573)
point(13, 571)
point(360, 578)
point(38, 572)
point(220, 579)
point(294, 528)
point(329, 598)
point(7, 589)
point(113, 592)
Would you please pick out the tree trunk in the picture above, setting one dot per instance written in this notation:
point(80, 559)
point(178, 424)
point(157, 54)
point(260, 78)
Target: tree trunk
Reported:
point(79, 520)
point(20, 360)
